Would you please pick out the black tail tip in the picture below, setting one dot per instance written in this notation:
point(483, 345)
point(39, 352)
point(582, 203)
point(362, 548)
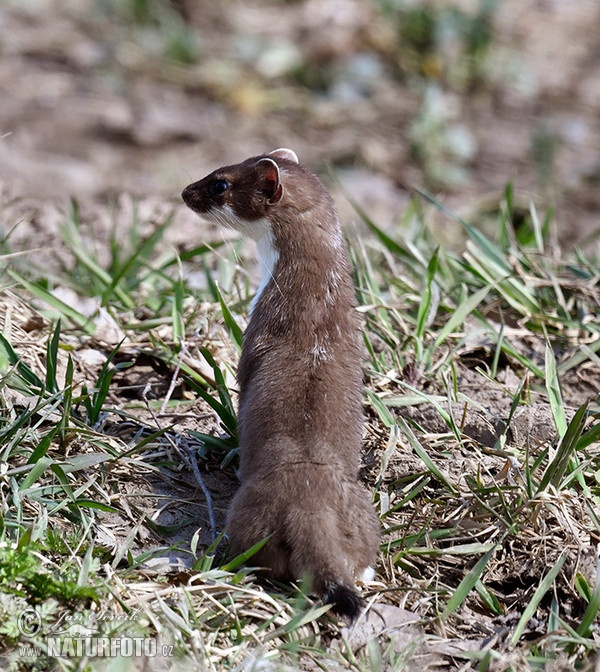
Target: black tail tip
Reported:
point(345, 600)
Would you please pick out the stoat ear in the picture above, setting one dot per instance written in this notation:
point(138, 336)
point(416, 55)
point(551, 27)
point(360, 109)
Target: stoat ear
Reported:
point(284, 153)
point(273, 189)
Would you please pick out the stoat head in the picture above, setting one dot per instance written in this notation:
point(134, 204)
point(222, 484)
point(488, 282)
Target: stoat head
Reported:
point(244, 195)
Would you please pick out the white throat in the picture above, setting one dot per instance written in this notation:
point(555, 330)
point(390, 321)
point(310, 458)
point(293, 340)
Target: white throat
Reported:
point(260, 231)
point(267, 258)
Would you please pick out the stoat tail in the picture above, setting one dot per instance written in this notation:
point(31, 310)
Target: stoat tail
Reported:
point(322, 548)
point(345, 600)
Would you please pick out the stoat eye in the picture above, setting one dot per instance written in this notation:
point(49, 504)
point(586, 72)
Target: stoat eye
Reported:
point(218, 187)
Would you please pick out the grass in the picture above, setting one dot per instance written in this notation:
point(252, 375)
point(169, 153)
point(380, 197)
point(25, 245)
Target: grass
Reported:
point(118, 441)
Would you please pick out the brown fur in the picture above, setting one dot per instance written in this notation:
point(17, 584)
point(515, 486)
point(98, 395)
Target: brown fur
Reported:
point(300, 376)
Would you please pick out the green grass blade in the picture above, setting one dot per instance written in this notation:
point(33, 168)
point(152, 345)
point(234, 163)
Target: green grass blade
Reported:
point(177, 311)
point(383, 411)
point(491, 252)
point(67, 398)
point(37, 470)
point(489, 599)
point(591, 436)
point(52, 359)
point(566, 450)
point(422, 453)
point(192, 254)
point(221, 385)
point(460, 314)
point(497, 351)
point(426, 305)
point(236, 333)
point(590, 615)
point(9, 358)
point(95, 404)
point(583, 354)
point(538, 230)
point(467, 584)
point(60, 306)
point(140, 253)
point(227, 418)
point(43, 446)
point(446, 417)
point(542, 589)
point(554, 394)
point(514, 405)
point(105, 279)
point(86, 566)
point(389, 243)
point(242, 558)
point(514, 291)
point(511, 351)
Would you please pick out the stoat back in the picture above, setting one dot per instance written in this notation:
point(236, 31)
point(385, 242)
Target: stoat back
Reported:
point(300, 379)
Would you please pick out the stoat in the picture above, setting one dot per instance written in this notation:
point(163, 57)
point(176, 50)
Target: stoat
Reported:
point(300, 381)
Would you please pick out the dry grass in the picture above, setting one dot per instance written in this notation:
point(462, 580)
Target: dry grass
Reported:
point(481, 450)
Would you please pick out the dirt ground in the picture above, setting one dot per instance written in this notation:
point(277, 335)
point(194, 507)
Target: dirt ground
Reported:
point(91, 107)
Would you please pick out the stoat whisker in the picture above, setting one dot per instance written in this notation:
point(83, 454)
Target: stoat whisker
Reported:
point(272, 277)
point(239, 261)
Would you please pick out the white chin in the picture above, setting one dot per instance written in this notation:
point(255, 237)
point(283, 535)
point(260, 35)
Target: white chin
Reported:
point(252, 228)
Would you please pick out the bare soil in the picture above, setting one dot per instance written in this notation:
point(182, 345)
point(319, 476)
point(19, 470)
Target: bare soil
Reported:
point(91, 107)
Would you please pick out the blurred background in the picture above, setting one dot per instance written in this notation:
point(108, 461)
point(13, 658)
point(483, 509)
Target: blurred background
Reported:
point(101, 97)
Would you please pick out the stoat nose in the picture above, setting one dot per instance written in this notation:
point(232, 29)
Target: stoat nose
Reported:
point(186, 194)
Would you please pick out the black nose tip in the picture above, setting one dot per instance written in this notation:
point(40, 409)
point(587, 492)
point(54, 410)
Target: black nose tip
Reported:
point(186, 194)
